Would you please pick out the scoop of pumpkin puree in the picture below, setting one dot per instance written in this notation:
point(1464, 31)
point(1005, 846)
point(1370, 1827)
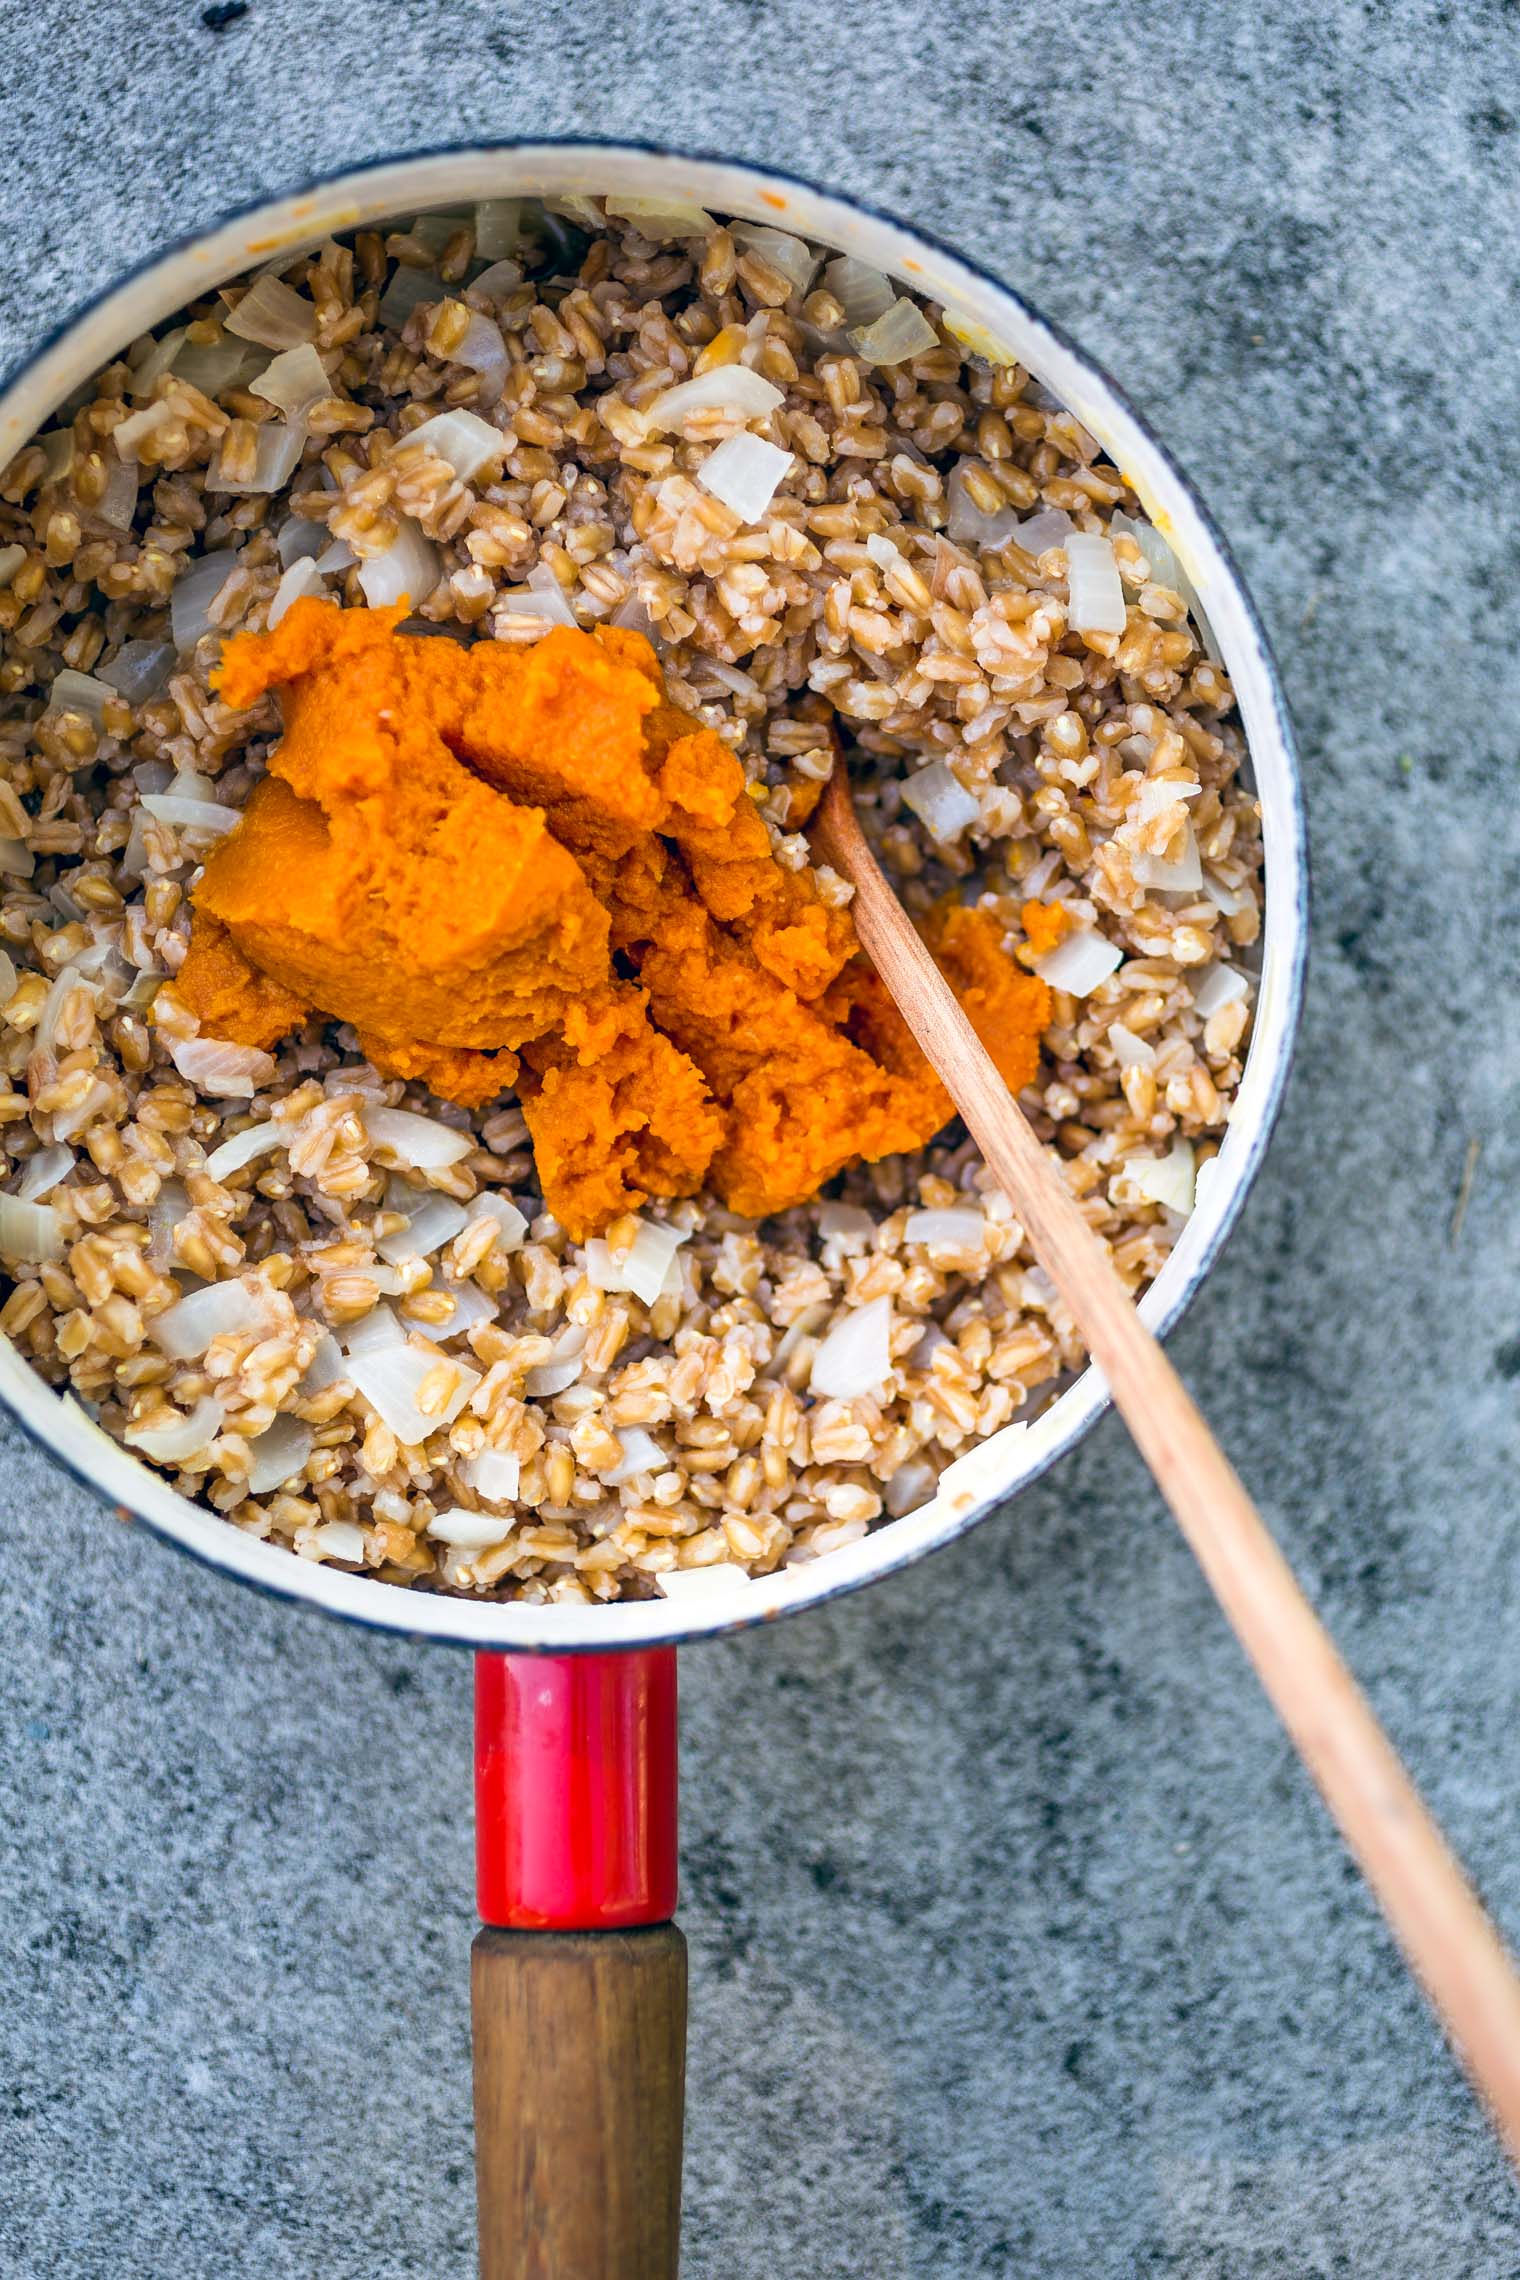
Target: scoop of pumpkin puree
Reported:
point(524, 868)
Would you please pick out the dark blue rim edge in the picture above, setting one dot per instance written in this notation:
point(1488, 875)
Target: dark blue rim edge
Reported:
point(680, 1634)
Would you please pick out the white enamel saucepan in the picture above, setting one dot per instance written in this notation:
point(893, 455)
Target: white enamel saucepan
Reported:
point(580, 1978)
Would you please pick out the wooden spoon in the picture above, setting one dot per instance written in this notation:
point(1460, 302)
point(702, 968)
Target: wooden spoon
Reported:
point(1445, 1935)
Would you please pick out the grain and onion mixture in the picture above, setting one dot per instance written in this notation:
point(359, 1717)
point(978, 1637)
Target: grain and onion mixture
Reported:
point(333, 1308)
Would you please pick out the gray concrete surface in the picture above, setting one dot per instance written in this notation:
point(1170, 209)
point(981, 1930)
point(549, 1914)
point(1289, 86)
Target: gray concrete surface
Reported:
point(1019, 1947)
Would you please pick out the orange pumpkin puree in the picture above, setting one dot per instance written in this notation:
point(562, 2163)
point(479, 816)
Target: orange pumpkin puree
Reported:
point(524, 868)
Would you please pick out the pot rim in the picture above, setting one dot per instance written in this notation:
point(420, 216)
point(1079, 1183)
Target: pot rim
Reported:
point(994, 1471)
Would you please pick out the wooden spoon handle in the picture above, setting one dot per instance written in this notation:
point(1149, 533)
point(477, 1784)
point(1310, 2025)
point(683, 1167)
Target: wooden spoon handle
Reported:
point(580, 2064)
point(1439, 1922)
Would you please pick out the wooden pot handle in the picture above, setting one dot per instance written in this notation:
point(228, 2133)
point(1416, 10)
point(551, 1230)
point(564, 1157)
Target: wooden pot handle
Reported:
point(578, 1978)
point(580, 2066)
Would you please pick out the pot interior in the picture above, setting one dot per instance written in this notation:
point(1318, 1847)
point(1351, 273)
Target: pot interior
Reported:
point(994, 1470)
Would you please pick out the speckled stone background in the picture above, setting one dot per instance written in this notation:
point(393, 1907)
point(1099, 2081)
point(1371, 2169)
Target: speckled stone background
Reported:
point(1019, 1946)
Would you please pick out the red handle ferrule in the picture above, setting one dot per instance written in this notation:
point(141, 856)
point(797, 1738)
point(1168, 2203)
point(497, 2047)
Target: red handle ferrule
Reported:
point(575, 1789)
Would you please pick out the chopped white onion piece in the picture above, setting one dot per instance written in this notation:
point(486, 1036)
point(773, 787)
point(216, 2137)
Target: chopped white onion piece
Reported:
point(325, 1367)
point(190, 815)
point(339, 556)
point(11, 559)
point(1042, 531)
point(219, 1070)
point(745, 473)
point(634, 617)
point(1095, 597)
point(642, 1268)
point(68, 1121)
point(733, 677)
point(44, 1171)
point(1160, 794)
point(561, 1369)
point(277, 449)
point(1130, 1051)
point(1220, 986)
point(846, 1223)
point(293, 380)
point(390, 1380)
point(661, 217)
point(434, 229)
point(971, 525)
point(911, 1485)
point(278, 1455)
point(127, 434)
point(472, 1306)
point(855, 1358)
point(583, 211)
point(57, 446)
point(187, 1437)
point(1231, 900)
point(374, 1333)
point(419, 1142)
point(469, 1531)
point(1080, 962)
point(1167, 1180)
point(216, 365)
point(484, 351)
point(117, 504)
point(169, 1208)
point(299, 538)
point(273, 315)
point(862, 292)
point(31, 1234)
point(155, 363)
point(496, 283)
point(80, 693)
point(941, 802)
point(90, 972)
point(301, 582)
point(493, 1473)
point(406, 571)
point(512, 1226)
point(336, 1540)
point(1178, 874)
point(187, 785)
point(140, 669)
point(244, 1148)
point(957, 1228)
point(195, 590)
point(730, 388)
point(933, 1341)
point(221, 1310)
point(498, 227)
point(649, 1258)
point(466, 441)
point(641, 1453)
point(436, 1221)
point(1166, 570)
point(407, 291)
point(901, 332)
point(787, 255)
point(550, 603)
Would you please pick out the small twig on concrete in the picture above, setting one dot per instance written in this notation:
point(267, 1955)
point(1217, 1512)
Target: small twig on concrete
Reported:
point(1469, 1168)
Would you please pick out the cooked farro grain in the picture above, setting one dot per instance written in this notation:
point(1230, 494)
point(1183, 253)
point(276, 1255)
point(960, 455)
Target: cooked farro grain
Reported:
point(355, 1331)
